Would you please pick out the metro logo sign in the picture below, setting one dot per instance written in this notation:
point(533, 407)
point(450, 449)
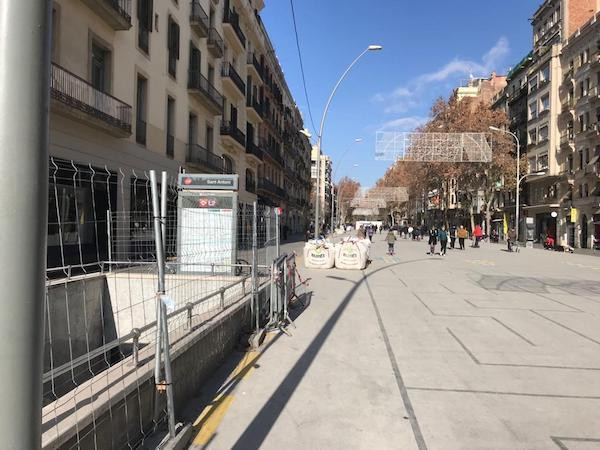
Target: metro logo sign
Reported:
point(207, 203)
point(187, 181)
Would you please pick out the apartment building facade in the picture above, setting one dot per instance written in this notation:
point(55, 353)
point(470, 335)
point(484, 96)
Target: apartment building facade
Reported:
point(175, 85)
point(325, 185)
point(579, 150)
point(548, 110)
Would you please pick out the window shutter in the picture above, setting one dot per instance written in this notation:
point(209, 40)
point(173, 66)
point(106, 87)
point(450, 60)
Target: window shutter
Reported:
point(176, 37)
point(150, 14)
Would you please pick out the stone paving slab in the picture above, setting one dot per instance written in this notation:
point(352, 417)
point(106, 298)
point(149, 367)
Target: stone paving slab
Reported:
point(478, 349)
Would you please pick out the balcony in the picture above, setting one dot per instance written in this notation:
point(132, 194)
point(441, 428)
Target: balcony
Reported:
point(254, 67)
point(254, 150)
point(232, 30)
point(566, 140)
point(232, 79)
point(205, 92)
point(204, 159)
point(116, 13)
point(232, 135)
point(254, 109)
point(517, 94)
point(269, 187)
point(199, 19)
point(74, 97)
point(215, 43)
point(273, 153)
point(594, 94)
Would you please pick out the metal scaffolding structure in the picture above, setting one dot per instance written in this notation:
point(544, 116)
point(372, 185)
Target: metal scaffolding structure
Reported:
point(433, 147)
point(379, 197)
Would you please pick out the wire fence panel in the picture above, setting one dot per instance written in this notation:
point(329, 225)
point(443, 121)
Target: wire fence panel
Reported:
point(101, 296)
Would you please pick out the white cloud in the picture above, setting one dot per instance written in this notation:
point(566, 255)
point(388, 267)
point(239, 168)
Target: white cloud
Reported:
point(404, 98)
point(404, 123)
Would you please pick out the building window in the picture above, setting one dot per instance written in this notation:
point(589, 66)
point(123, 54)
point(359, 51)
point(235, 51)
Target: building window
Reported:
point(140, 110)
point(532, 110)
point(227, 164)
point(545, 74)
point(210, 138)
point(570, 163)
point(250, 182)
point(173, 46)
point(145, 12)
point(543, 136)
point(533, 136)
point(581, 159)
point(533, 83)
point(532, 165)
point(100, 70)
point(193, 129)
point(545, 103)
point(542, 162)
point(170, 127)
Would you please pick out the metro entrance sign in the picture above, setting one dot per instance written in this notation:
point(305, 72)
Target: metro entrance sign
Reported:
point(218, 182)
point(207, 223)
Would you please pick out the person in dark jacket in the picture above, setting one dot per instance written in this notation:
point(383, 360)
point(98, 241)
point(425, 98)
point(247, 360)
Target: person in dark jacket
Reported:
point(443, 237)
point(432, 241)
point(512, 237)
point(452, 236)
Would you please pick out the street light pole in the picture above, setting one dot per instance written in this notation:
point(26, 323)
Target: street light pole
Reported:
point(320, 136)
point(518, 178)
point(24, 96)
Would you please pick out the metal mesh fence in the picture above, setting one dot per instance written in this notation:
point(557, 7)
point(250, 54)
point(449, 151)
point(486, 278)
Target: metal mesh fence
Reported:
point(101, 296)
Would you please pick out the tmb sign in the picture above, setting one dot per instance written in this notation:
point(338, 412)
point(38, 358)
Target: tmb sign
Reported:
point(217, 182)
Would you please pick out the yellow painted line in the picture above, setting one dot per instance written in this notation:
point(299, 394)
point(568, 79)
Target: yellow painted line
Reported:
point(211, 417)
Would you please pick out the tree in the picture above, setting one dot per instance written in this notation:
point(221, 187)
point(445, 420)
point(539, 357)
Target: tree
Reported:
point(454, 116)
point(347, 189)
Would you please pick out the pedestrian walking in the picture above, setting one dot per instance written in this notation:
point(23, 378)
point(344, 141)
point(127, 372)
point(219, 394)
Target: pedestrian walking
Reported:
point(462, 234)
point(410, 232)
point(443, 237)
point(370, 232)
point(478, 234)
point(452, 236)
point(391, 240)
point(512, 237)
point(432, 241)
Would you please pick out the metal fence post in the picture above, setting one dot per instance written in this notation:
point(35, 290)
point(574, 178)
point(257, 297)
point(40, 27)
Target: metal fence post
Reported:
point(24, 94)
point(109, 236)
point(254, 264)
point(277, 233)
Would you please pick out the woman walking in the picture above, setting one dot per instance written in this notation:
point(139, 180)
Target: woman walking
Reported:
point(390, 239)
point(462, 235)
point(432, 241)
point(443, 237)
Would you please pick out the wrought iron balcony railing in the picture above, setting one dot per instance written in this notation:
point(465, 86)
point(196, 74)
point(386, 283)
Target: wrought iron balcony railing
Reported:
point(199, 19)
point(230, 129)
point(232, 18)
point(77, 93)
point(200, 155)
point(198, 82)
point(228, 71)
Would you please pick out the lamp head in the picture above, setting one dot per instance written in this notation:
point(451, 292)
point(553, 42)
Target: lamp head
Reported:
point(375, 47)
point(306, 133)
point(495, 128)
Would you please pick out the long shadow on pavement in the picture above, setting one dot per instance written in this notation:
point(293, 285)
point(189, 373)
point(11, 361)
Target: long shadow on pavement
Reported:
point(257, 430)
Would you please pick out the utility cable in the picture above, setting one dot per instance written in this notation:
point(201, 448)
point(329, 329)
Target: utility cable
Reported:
point(302, 67)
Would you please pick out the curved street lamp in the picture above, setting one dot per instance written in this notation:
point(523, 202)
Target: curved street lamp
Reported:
point(370, 48)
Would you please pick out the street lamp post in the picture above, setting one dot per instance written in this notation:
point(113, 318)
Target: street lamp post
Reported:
point(356, 141)
point(320, 136)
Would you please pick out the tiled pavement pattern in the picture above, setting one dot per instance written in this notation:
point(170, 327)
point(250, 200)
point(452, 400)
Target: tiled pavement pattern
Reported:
point(477, 349)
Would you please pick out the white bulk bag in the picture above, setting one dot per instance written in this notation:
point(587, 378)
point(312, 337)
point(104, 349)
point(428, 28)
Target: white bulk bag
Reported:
point(319, 255)
point(351, 254)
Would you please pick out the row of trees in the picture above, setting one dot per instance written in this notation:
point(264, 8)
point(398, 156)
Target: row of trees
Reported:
point(472, 179)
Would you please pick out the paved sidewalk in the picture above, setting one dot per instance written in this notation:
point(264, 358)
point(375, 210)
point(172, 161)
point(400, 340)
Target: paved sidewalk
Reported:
point(478, 349)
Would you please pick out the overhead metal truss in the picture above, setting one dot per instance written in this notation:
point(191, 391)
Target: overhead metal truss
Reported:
point(366, 212)
point(379, 197)
point(433, 147)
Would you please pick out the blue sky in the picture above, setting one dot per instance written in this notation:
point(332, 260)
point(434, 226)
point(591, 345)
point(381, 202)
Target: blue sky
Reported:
point(429, 47)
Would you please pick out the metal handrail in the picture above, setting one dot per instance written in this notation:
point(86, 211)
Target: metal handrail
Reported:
point(134, 333)
point(199, 82)
point(228, 71)
point(73, 90)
